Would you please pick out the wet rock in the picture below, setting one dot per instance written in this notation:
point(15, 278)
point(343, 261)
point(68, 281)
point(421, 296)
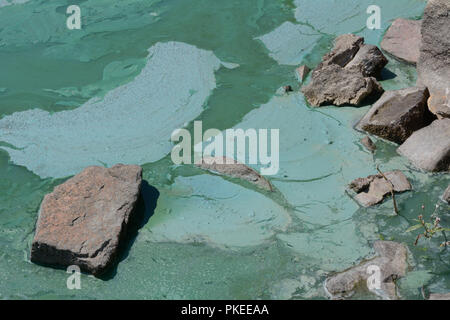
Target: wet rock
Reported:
point(439, 296)
point(347, 74)
point(446, 195)
point(368, 143)
point(373, 189)
point(391, 259)
point(83, 221)
point(232, 168)
point(433, 66)
point(302, 72)
point(429, 148)
point(397, 114)
point(403, 39)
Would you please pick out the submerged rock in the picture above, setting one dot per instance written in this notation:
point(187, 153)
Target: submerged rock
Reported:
point(397, 114)
point(302, 72)
point(347, 74)
point(390, 259)
point(446, 195)
point(368, 143)
point(83, 221)
point(232, 168)
point(429, 148)
point(403, 39)
point(373, 189)
point(433, 66)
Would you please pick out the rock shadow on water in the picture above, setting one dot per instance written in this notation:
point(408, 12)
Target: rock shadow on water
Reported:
point(144, 211)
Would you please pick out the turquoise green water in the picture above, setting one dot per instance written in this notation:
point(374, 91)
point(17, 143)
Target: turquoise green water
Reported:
point(113, 92)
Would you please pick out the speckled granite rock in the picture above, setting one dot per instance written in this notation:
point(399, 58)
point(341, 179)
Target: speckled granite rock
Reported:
point(84, 219)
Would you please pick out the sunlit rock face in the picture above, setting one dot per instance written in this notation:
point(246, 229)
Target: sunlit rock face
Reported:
point(131, 124)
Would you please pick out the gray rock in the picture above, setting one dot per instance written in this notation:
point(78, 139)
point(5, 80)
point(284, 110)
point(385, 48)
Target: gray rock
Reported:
point(391, 259)
point(83, 221)
point(403, 40)
point(347, 74)
point(368, 143)
point(397, 114)
point(231, 168)
point(439, 296)
point(373, 189)
point(335, 85)
point(369, 61)
point(446, 195)
point(433, 66)
point(429, 148)
point(302, 72)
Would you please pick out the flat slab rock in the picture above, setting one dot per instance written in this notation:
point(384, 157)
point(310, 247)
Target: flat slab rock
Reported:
point(83, 221)
point(234, 169)
point(346, 75)
point(429, 148)
point(433, 67)
point(391, 259)
point(373, 189)
point(403, 39)
point(397, 114)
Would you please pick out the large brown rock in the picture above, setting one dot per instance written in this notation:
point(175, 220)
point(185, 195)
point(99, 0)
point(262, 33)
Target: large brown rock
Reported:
point(234, 169)
point(403, 39)
point(429, 148)
point(346, 75)
point(397, 114)
point(391, 261)
point(373, 189)
point(83, 221)
point(433, 66)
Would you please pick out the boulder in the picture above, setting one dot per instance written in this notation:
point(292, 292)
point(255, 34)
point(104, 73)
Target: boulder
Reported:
point(84, 220)
point(397, 114)
point(433, 66)
point(446, 195)
point(373, 189)
point(234, 169)
point(368, 143)
point(403, 39)
point(439, 296)
point(339, 86)
point(346, 75)
point(302, 72)
point(429, 148)
point(391, 261)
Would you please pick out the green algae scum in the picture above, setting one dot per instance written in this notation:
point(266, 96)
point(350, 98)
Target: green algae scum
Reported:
point(115, 90)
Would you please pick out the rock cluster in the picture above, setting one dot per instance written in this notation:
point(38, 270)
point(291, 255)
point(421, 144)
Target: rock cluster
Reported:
point(346, 75)
point(84, 220)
